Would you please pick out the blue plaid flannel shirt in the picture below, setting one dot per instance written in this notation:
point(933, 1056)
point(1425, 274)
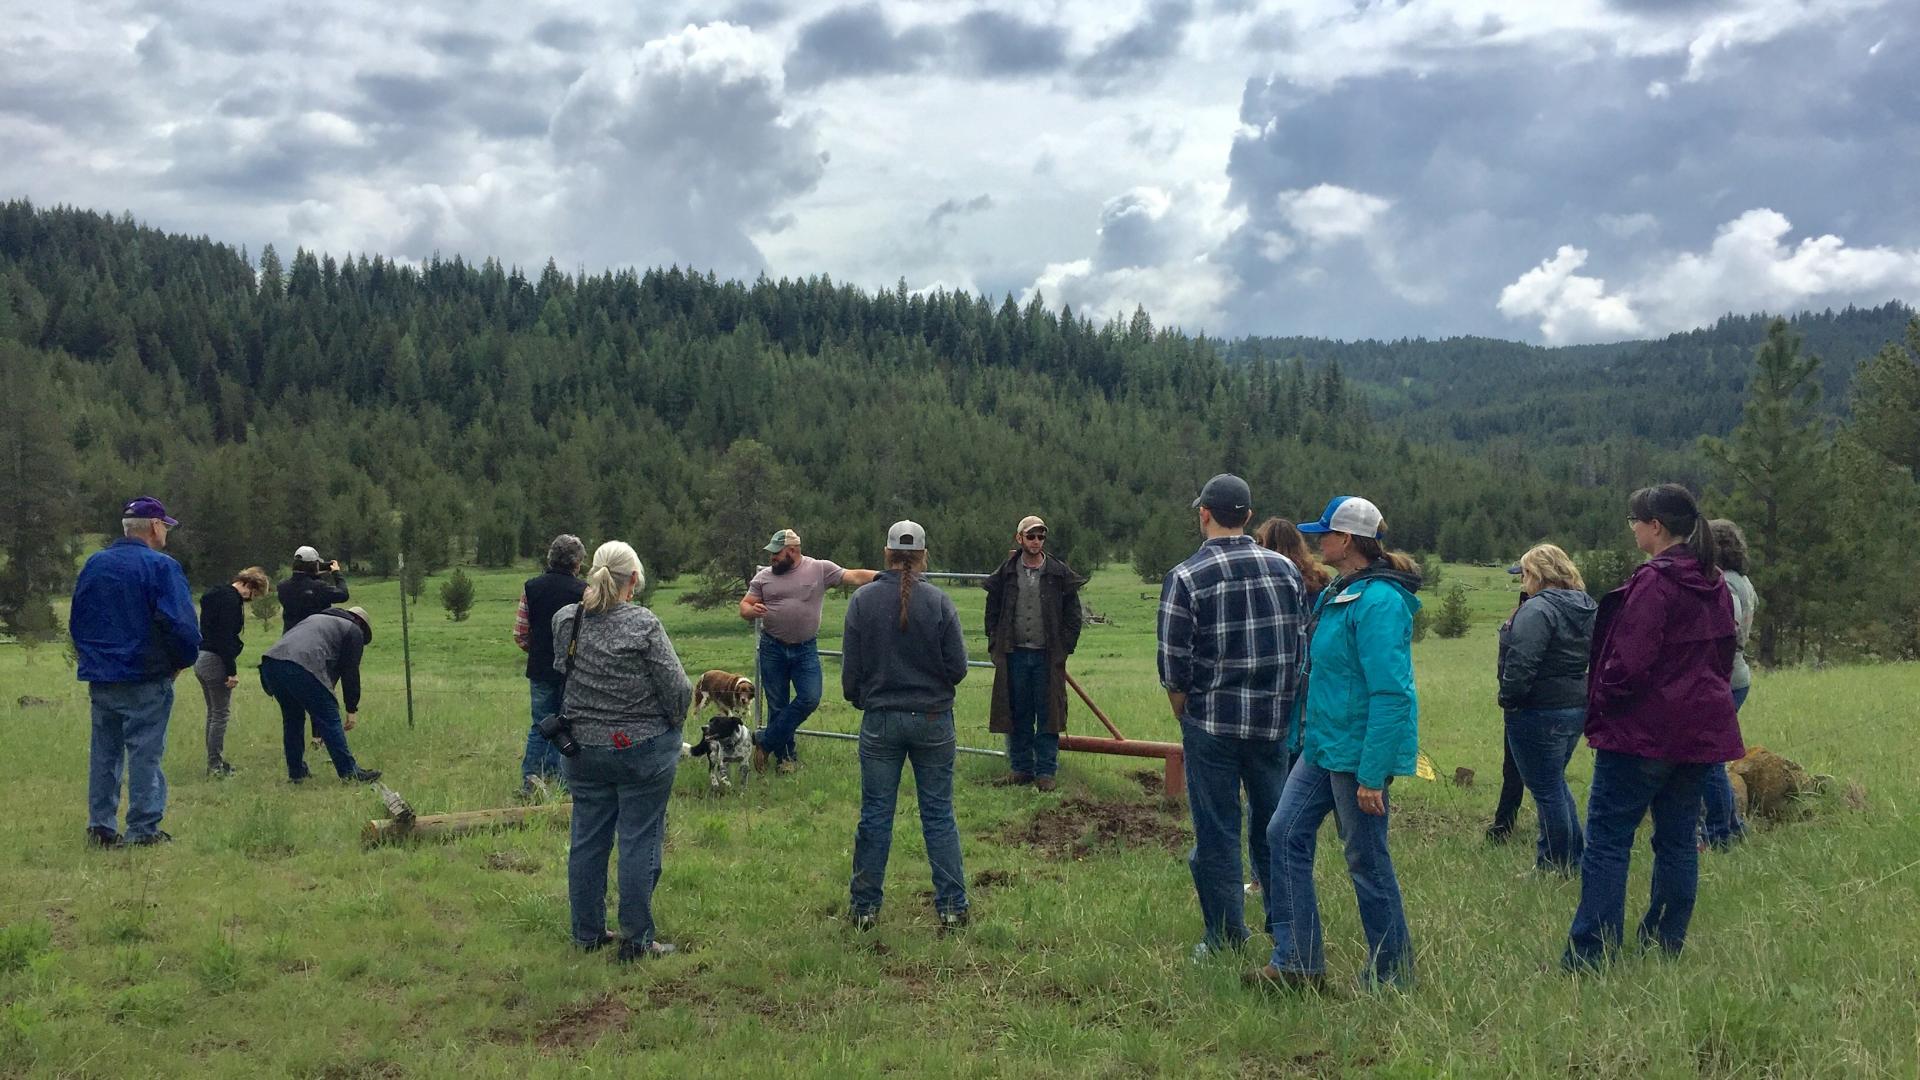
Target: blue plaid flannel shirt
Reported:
point(1232, 626)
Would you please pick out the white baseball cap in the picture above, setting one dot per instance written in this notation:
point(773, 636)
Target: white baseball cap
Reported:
point(906, 536)
point(1348, 514)
point(305, 554)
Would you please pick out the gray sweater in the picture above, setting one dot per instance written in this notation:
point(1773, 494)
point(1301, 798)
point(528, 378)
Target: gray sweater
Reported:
point(625, 677)
point(889, 669)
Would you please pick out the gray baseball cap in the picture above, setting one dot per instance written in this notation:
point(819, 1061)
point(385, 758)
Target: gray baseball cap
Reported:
point(1225, 492)
point(906, 536)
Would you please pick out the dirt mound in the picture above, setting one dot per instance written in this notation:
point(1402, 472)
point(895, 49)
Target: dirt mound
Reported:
point(583, 1026)
point(1151, 781)
point(1077, 827)
point(1770, 787)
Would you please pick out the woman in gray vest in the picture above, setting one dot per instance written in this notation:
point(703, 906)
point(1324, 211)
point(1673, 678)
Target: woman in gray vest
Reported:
point(626, 696)
point(1720, 825)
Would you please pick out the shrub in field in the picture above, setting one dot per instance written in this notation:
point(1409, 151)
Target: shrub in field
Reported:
point(715, 586)
point(1604, 571)
point(266, 608)
point(1431, 570)
point(413, 581)
point(1422, 622)
point(456, 595)
point(1453, 620)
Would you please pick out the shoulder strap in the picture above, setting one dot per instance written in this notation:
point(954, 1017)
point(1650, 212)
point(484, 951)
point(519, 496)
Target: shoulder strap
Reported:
point(573, 638)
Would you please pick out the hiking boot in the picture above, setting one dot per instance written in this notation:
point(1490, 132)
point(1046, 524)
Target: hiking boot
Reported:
point(787, 767)
point(954, 920)
point(1013, 779)
point(631, 950)
point(361, 776)
point(759, 758)
point(1268, 977)
point(865, 920)
point(1044, 783)
point(607, 937)
point(220, 770)
point(154, 837)
point(1498, 834)
point(99, 836)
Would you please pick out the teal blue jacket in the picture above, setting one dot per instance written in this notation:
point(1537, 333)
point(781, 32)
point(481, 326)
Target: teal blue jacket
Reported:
point(1360, 713)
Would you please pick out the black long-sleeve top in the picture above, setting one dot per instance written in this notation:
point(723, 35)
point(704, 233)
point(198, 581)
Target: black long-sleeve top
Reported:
point(222, 616)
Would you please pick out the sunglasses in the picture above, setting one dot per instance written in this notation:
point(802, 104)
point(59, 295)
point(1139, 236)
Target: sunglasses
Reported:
point(1037, 534)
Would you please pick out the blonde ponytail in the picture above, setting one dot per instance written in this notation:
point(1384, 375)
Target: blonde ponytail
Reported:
point(613, 563)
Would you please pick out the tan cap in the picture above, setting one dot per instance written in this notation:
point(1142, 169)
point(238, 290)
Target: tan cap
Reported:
point(1029, 522)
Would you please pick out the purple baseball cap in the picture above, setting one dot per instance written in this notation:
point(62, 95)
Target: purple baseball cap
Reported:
point(146, 506)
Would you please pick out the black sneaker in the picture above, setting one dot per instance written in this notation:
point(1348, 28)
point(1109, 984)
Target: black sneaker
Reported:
point(99, 836)
point(155, 837)
point(220, 770)
point(361, 776)
point(301, 779)
point(953, 920)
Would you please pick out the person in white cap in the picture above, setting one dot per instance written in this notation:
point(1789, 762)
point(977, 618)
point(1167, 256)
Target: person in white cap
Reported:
point(313, 587)
point(786, 599)
point(903, 658)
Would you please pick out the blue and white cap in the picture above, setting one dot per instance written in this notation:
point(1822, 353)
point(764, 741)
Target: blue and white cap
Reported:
point(1349, 514)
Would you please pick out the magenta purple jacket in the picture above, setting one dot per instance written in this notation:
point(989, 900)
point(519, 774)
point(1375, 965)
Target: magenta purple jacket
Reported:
point(1662, 656)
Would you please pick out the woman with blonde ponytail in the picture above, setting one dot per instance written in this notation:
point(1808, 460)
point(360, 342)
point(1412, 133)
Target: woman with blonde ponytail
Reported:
point(626, 694)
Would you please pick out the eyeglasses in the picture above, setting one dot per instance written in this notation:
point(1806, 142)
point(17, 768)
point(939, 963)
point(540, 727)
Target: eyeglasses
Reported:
point(1037, 534)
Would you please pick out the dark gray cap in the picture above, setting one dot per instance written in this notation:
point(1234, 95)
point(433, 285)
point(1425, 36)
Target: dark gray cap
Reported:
point(1225, 492)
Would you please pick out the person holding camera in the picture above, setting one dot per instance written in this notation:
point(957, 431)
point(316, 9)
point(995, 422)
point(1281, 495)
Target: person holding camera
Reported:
point(626, 695)
point(314, 587)
point(541, 598)
point(299, 673)
point(223, 614)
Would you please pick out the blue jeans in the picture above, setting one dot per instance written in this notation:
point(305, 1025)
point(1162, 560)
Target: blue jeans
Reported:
point(790, 679)
point(1720, 822)
point(1625, 789)
point(887, 741)
point(1031, 748)
point(1542, 741)
point(300, 695)
point(1311, 794)
point(130, 735)
point(618, 794)
point(541, 757)
point(1217, 768)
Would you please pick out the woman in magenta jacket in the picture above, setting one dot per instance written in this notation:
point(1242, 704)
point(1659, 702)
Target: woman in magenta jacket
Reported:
point(1659, 714)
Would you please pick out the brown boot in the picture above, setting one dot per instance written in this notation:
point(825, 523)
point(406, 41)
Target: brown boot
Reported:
point(759, 759)
point(1043, 783)
point(1013, 779)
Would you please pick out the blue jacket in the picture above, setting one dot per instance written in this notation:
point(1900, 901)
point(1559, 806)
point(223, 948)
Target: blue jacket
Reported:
point(1361, 714)
point(132, 617)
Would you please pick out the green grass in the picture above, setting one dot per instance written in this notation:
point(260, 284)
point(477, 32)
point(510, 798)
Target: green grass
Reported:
point(266, 942)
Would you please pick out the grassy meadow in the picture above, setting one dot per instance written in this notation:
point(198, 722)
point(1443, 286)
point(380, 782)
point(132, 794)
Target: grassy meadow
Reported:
point(267, 942)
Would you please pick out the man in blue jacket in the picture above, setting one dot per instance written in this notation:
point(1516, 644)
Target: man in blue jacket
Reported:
point(133, 630)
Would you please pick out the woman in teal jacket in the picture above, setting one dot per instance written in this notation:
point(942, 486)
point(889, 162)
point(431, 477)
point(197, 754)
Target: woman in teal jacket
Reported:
point(1358, 729)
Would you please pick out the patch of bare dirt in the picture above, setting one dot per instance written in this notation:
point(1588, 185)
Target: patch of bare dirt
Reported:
point(1077, 827)
point(1151, 782)
point(583, 1026)
point(992, 879)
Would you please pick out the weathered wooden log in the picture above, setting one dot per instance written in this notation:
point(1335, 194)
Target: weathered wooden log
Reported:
point(448, 826)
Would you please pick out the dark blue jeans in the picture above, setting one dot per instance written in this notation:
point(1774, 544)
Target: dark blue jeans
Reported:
point(1542, 741)
point(1626, 789)
point(1311, 794)
point(1720, 822)
point(887, 741)
point(541, 757)
point(1031, 748)
point(130, 737)
point(618, 794)
point(300, 696)
point(1217, 768)
point(790, 679)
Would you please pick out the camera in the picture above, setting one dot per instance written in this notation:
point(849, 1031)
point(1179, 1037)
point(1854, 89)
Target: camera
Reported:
point(557, 728)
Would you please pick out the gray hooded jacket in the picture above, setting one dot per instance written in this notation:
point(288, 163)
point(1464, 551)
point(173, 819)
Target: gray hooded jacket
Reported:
point(1543, 651)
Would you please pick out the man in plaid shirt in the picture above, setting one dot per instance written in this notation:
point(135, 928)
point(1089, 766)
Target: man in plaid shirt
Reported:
point(1232, 642)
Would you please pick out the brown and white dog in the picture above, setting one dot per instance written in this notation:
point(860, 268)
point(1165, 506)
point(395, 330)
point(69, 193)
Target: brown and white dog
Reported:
point(732, 693)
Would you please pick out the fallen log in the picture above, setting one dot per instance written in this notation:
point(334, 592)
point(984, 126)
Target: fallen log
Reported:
point(448, 826)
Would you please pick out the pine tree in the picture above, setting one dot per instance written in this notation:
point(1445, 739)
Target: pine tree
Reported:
point(36, 515)
point(1775, 467)
point(1454, 620)
point(456, 595)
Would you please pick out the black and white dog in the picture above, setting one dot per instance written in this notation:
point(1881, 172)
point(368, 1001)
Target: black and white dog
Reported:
point(724, 742)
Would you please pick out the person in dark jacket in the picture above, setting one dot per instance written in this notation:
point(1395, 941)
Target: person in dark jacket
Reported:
point(540, 599)
point(133, 630)
point(1033, 625)
point(903, 656)
point(223, 614)
point(1659, 715)
point(1543, 690)
point(313, 587)
point(300, 671)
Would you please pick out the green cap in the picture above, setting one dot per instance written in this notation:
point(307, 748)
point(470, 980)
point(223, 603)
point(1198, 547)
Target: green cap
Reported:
point(782, 539)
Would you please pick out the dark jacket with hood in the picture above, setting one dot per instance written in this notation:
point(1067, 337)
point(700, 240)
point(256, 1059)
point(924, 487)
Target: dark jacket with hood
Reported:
point(328, 647)
point(1662, 657)
point(306, 594)
point(1543, 651)
point(1060, 614)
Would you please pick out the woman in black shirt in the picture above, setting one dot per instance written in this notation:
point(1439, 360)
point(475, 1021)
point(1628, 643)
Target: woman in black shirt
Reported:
point(223, 614)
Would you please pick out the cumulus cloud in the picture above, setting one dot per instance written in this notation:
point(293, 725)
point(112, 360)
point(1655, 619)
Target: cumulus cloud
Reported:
point(1749, 266)
point(1328, 212)
point(1153, 250)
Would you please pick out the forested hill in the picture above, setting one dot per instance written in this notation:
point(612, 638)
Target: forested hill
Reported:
point(1667, 392)
point(468, 411)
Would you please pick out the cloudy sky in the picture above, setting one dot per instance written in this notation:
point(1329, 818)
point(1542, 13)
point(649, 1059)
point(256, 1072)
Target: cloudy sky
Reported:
point(1566, 171)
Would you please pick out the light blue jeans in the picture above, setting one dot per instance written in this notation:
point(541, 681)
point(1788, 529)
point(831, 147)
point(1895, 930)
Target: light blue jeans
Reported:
point(888, 740)
point(130, 737)
point(618, 794)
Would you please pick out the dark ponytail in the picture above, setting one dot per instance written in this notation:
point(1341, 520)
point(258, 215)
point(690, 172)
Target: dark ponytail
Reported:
point(1675, 508)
